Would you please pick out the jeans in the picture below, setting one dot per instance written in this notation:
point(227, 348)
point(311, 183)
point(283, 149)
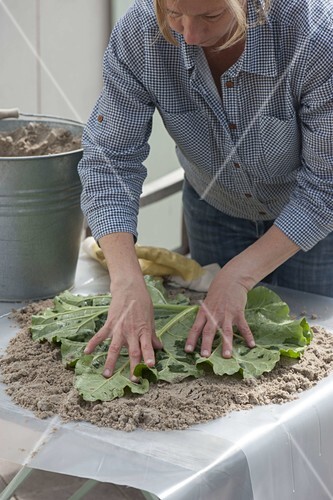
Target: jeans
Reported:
point(216, 237)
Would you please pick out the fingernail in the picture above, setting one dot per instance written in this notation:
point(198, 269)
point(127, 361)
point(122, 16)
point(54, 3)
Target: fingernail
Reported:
point(107, 373)
point(150, 362)
point(252, 343)
point(134, 379)
point(86, 351)
point(189, 348)
point(205, 354)
point(227, 353)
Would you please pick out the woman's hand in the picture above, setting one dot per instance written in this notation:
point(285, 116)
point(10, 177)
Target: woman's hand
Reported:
point(223, 307)
point(130, 323)
point(130, 320)
point(225, 303)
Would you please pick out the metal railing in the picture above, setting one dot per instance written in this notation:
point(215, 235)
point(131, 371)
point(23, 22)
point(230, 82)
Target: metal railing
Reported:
point(162, 188)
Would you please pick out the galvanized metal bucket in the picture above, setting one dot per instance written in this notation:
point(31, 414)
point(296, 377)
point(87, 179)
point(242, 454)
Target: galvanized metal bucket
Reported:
point(40, 218)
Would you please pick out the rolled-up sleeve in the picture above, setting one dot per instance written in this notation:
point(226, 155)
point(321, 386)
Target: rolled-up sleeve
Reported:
point(308, 217)
point(116, 136)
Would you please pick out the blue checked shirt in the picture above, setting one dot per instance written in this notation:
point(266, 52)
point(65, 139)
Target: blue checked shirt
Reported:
point(263, 152)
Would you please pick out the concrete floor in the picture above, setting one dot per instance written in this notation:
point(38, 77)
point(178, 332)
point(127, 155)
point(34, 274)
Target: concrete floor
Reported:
point(41, 485)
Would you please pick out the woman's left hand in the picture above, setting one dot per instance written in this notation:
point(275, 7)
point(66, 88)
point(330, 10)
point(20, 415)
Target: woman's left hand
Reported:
point(222, 309)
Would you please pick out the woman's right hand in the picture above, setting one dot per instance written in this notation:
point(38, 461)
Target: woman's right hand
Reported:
point(130, 321)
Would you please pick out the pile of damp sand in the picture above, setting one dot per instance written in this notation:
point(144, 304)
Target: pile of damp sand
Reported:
point(37, 380)
point(37, 139)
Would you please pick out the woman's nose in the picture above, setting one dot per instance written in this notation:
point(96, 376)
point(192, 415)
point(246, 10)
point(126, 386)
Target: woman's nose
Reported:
point(192, 31)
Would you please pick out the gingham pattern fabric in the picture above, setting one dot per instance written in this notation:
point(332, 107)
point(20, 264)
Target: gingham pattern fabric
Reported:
point(265, 152)
point(216, 237)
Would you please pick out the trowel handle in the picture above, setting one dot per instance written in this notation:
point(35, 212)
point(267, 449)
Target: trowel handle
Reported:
point(9, 113)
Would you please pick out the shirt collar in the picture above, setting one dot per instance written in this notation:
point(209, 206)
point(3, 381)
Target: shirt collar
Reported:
point(259, 53)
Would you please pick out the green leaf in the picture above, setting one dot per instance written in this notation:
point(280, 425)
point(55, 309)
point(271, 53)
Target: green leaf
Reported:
point(93, 386)
point(79, 323)
point(220, 366)
point(272, 326)
point(266, 302)
point(75, 319)
point(156, 290)
point(275, 333)
point(72, 351)
point(173, 364)
point(256, 361)
point(249, 362)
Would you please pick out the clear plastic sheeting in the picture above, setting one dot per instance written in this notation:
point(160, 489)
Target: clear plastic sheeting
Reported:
point(267, 453)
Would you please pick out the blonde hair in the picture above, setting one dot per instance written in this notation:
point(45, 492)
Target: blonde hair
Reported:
point(235, 6)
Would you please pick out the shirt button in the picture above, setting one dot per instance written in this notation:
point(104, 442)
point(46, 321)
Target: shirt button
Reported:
point(100, 118)
point(229, 84)
point(236, 165)
point(232, 126)
point(248, 195)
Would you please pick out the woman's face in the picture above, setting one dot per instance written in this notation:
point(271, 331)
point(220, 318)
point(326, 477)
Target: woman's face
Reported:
point(206, 23)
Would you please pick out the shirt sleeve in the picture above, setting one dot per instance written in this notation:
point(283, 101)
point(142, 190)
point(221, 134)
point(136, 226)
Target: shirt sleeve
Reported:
point(308, 217)
point(115, 139)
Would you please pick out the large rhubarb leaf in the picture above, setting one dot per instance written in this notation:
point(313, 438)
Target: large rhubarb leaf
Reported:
point(75, 319)
point(275, 333)
point(93, 386)
point(74, 323)
point(173, 363)
point(72, 351)
point(249, 362)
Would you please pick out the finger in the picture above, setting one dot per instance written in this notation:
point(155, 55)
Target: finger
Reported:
point(135, 356)
point(246, 333)
point(147, 349)
point(98, 338)
point(208, 335)
point(196, 331)
point(111, 360)
point(157, 344)
point(227, 337)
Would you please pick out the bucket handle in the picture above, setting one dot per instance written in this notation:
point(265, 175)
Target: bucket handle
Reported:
point(15, 113)
point(9, 113)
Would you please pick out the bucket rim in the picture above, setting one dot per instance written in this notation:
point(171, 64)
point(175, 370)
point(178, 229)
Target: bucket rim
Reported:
point(34, 117)
point(36, 157)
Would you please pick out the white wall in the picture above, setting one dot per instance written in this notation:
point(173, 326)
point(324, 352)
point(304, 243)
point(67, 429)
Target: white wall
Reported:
point(51, 63)
point(50, 53)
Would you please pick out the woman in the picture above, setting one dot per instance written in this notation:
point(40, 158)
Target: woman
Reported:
point(245, 89)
